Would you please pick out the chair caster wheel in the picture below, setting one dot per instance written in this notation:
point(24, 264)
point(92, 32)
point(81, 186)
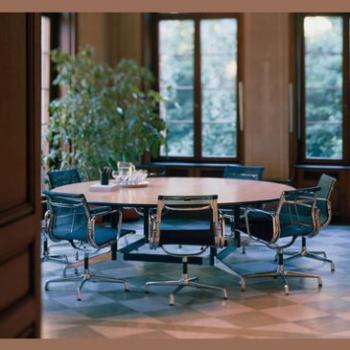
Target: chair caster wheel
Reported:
point(332, 268)
point(243, 286)
point(286, 290)
point(320, 284)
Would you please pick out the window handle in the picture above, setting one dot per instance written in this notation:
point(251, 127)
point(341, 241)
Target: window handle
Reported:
point(290, 108)
point(241, 106)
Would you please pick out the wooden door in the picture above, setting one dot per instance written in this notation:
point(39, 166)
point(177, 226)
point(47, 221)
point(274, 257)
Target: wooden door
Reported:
point(19, 175)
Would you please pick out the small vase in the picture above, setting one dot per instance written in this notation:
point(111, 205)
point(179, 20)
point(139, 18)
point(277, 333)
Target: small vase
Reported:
point(104, 179)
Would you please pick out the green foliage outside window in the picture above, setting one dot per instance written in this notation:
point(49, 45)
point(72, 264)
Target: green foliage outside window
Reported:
point(323, 86)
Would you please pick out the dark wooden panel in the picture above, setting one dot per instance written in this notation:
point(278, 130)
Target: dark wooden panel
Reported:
point(17, 266)
point(13, 116)
point(20, 209)
point(15, 321)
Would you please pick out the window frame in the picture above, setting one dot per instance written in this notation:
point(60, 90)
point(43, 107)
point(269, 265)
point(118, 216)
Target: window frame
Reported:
point(154, 19)
point(300, 91)
point(63, 36)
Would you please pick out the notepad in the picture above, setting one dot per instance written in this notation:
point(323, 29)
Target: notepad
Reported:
point(97, 187)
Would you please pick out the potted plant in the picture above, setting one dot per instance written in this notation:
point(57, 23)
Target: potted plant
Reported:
point(104, 113)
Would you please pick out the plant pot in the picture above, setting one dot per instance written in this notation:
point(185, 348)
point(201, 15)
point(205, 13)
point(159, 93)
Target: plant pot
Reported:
point(130, 214)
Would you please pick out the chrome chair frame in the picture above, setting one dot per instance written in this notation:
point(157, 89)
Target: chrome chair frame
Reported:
point(280, 272)
point(46, 255)
point(53, 182)
point(316, 255)
point(57, 178)
point(197, 203)
point(45, 252)
point(90, 246)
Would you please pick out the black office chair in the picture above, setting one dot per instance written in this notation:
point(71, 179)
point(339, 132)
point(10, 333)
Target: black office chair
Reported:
point(296, 215)
point(326, 184)
point(182, 221)
point(241, 172)
point(64, 177)
point(69, 219)
point(58, 178)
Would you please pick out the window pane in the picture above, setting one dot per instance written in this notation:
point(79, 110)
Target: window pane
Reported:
point(323, 86)
point(218, 81)
point(179, 139)
point(176, 70)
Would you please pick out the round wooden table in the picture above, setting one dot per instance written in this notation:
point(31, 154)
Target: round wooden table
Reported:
point(231, 192)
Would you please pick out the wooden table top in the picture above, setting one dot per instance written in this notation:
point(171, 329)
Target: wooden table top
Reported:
point(229, 191)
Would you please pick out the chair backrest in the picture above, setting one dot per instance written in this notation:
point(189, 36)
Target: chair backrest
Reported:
point(326, 184)
point(63, 177)
point(243, 172)
point(297, 211)
point(68, 216)
point(187, 220)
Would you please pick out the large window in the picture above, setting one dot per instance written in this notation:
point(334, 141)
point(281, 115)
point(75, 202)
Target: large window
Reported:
point(324, 88)
point(197, 66)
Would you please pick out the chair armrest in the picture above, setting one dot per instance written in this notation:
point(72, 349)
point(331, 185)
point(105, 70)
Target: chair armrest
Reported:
point(229, 213)
point(220, 238)
point(95, 213)
point(225, 211)
point(111, 212)
point(248, 211)
point(99, 209)
point(256, 210)
point(153, 230)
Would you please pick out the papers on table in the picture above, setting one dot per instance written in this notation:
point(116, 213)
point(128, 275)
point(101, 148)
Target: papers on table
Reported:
point(97, 187)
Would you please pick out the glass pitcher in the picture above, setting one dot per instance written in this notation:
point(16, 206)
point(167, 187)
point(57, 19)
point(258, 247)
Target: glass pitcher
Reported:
point(126, 171)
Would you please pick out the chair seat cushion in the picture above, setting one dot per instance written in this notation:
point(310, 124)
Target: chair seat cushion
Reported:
point(295, 230)
point(189, 232)
point(103, 235)
point(261, 226)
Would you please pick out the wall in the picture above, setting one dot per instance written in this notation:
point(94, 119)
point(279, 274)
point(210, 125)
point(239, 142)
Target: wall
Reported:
point(266, 75)
point(93, 31)
point(126, 33)
point(113, 35)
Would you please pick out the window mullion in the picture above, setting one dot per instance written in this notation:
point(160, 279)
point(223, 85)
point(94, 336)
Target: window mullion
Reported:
point(346, 82)
point(197, 93)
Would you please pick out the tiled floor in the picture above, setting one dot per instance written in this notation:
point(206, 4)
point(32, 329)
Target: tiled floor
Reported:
point(263, 311)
